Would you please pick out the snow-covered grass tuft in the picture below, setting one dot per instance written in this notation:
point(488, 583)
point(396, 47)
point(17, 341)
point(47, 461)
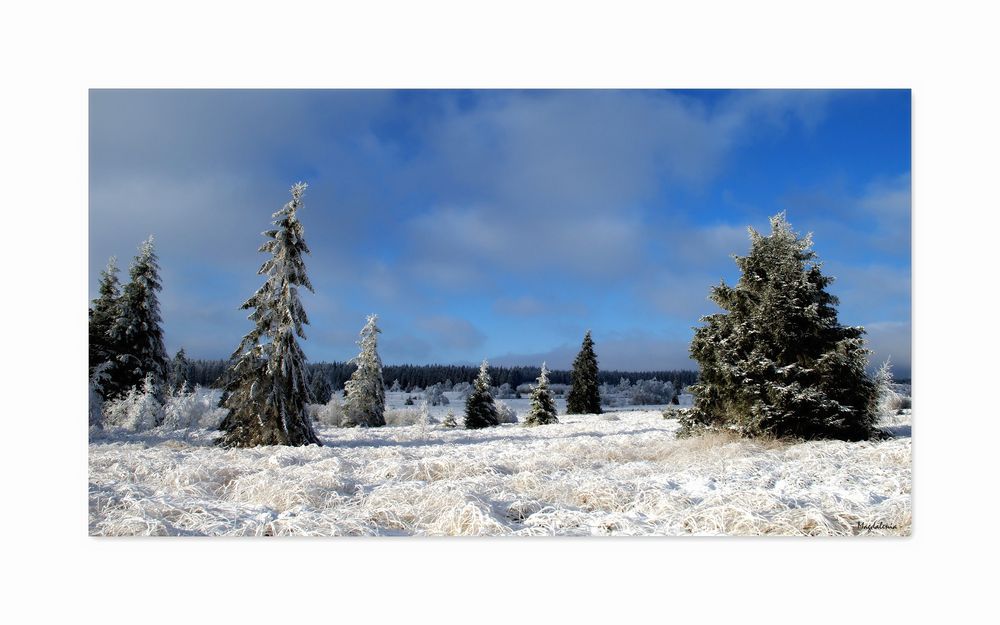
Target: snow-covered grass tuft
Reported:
point(586, 475)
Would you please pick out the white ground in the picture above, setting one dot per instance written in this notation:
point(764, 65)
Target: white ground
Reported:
point(619, 473)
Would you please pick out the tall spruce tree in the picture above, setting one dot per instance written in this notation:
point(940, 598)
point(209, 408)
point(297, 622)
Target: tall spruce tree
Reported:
point(364, 402)
point(102, 317)
point(268, 384)
point(585, 395)
point(136, 332)
point(480, 409)
point(543, 408)
point(777, 362)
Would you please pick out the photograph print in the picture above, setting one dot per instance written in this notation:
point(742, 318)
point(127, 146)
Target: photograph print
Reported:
point(338, 312)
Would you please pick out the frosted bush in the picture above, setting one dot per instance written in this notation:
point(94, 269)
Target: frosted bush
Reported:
point(648, 392)
point(504, 392)
point(408, 416)
point(137, 411)
point(505, 413)
point(198, 408)
point(331, 413)
point(463, 389)
point(435, 395)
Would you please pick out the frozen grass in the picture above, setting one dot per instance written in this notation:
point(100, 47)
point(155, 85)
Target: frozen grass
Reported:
point(622, 473)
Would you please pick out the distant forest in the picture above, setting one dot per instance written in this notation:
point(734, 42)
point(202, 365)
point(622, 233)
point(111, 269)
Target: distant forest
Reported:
point(211, 372)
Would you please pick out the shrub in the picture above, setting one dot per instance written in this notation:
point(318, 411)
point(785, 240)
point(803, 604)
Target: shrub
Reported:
point(401, 417)
point(138, 410)
point(184, 409)
point(504, 392)
point(331, 413)
point(505, 414)
point(647, 392)
point(435, 395)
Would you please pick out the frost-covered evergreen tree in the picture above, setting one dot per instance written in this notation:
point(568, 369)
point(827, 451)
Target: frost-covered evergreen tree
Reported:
point(777, 361)
point(889, 401)
point(102, 319)
point(180, 367)
point(136, 332)
point(585, 395)
point(365, 391)
point(543, 407)
point(98, 379)
point(267, 383)
point(480, 410)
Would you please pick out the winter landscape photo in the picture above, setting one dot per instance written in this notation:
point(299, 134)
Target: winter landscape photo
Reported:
point(499, 313)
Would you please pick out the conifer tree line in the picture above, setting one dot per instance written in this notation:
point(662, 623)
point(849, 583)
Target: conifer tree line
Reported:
point(210, 373)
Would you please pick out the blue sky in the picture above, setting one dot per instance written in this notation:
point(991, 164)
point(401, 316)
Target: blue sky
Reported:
point(502, 224)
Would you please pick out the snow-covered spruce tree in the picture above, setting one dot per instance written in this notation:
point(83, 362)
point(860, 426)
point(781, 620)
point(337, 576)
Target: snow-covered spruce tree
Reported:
point(777, 362)
point(585, 395)
point(543, 408)
point(179, 368)
point(480, 411)
point(365, 391)
point(136, 331)
point(267, 383)
point(102, 318)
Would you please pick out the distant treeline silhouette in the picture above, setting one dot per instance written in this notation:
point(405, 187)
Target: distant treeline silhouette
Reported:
point(211, 372)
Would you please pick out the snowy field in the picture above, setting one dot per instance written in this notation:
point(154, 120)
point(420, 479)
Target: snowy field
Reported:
point(621, 473)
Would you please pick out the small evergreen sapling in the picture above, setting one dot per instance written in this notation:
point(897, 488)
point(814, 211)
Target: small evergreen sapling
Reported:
point(585, 394)
point(365, 391)
point(480, 410)
point(777, 362)
point(543, 408)
point(267, 383)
